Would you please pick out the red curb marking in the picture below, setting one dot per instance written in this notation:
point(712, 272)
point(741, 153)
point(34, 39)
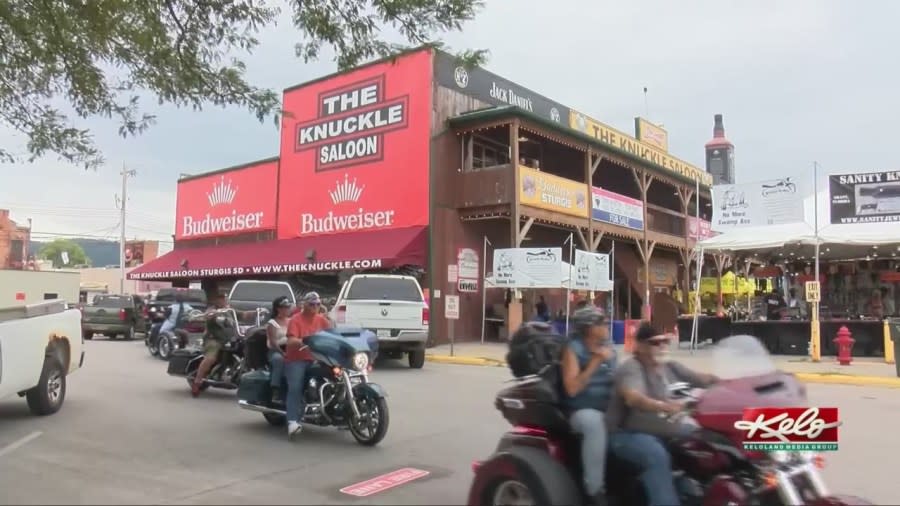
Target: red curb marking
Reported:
point(384, 482)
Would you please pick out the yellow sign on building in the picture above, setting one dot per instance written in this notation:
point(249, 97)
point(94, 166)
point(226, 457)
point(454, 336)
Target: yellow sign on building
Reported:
point(651, 134)
point(616, 139)
point(552, 193)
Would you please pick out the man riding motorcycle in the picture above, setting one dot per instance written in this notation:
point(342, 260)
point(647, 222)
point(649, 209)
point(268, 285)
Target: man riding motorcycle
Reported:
point(587, 367)
point(213, 340)
point(298, 357)
point(637, 416)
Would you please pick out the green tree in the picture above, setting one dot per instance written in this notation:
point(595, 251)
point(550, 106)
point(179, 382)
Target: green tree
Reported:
point(53, 251)
point(99, 55)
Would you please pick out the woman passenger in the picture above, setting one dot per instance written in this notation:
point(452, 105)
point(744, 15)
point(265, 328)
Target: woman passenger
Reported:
point(276, 331)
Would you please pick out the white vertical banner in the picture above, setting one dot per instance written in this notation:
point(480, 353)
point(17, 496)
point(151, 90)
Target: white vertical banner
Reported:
point(528, 268)
point(592, 272)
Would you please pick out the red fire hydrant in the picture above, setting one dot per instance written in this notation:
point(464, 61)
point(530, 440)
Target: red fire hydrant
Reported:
point(844, 345)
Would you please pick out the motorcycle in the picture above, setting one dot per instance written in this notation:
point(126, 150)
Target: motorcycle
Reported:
point(163, 344)
point(539, 461)
point(226, 374)
point(337, 391)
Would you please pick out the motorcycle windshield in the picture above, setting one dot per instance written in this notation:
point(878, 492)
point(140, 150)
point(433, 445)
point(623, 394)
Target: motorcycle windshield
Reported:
point(335, 349)
point(740, 357)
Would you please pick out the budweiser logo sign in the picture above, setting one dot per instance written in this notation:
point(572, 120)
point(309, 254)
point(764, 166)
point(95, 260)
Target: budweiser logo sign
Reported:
point(357, 219)
point(790, 429)
point(221, 194)
point(351, 124)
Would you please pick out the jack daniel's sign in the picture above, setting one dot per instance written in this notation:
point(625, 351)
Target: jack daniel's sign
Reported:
point(493, 89)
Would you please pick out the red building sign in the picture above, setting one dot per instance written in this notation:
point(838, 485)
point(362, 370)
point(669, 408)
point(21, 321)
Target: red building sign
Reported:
point(229, 202)
point(355, 150)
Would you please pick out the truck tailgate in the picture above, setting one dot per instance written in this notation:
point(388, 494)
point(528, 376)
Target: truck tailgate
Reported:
point(101, 315)
point(379, 314)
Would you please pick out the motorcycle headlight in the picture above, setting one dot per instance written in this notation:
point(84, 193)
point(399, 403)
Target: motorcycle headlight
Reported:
point(360, 361)
point(781, 457)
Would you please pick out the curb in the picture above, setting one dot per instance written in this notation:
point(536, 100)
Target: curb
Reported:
point(806, 377)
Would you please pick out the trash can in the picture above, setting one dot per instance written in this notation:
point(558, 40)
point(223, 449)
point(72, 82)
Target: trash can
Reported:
point(894, 327)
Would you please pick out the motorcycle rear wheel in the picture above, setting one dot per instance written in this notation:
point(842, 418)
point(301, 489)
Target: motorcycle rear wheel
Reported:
point(535, 476)
point(372, 426)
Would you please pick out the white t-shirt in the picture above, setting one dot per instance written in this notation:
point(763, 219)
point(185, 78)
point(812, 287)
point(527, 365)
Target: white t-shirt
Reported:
point(280, 331)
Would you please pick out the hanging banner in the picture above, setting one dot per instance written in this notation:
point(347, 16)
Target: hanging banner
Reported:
point(552, 193)
point(591, 272)
point(616, 209)
point(528, 268)
point(762, 203)
point(873, 197)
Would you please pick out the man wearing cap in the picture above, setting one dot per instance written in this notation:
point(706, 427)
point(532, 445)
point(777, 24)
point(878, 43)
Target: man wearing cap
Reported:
point(298, 357)
point(638, 412)
point(588, 363)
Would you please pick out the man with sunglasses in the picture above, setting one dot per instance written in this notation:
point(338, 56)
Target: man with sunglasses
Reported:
point(638, 415)
point(298, 357)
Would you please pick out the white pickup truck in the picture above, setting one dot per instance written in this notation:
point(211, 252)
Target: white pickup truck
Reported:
point(40, 344)
point(391, 306)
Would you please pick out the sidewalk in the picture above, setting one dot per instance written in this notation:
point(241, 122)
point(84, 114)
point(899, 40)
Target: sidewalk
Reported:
point(864, 371)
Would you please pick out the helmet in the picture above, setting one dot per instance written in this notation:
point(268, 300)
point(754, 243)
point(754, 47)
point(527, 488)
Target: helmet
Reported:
point(587, 317)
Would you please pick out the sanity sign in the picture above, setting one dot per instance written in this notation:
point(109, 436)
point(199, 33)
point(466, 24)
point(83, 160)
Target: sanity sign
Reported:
point(349, 143)
point(234, 201)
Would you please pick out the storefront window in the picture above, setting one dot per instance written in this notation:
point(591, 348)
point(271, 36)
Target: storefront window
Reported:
point(487, 153)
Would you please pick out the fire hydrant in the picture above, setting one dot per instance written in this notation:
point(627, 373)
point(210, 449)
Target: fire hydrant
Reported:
point(844, 345)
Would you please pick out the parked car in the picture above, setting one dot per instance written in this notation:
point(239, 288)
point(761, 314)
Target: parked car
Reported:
point(113, 315)
point(39, 348)
point(391, 306)
point(250, 294)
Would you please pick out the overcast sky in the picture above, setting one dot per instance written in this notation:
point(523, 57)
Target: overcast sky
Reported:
point(796, 80)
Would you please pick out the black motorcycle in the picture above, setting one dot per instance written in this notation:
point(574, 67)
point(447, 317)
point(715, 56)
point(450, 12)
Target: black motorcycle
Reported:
point(337, 391)
point(226, 374)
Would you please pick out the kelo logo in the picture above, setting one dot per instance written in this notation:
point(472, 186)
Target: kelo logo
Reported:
point(221, 194)
point(351, 124)
point(359, 219)
point(790, 429)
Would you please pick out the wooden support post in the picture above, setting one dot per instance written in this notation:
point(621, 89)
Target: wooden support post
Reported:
point(595, 243)
point(523, 232)
point(644, 180)
point(514, 314)
point(583, 239)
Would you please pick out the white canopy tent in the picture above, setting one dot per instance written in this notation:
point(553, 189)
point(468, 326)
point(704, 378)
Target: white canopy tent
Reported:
point(803, 233)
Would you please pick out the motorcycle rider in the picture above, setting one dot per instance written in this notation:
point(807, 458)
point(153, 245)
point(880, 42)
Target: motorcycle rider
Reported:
point(638, 412)
point(214, 339)
point(298, 357)
point(588, 362)
point(177, 316)
point(276, 332)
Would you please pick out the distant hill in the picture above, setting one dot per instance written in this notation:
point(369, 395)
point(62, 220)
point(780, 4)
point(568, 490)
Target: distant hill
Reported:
point(99, 251)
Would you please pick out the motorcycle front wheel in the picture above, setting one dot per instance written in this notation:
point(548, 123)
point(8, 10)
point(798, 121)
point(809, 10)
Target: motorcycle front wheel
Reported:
point(372, 424)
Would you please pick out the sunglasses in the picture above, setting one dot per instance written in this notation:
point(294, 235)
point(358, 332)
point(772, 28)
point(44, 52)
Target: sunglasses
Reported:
point(313, 304)
point(658, 342)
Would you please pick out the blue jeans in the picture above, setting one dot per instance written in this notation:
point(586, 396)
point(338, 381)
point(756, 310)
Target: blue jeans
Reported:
point(591, 424)
point(276, 368)
point(295, 371)
point(652, 458)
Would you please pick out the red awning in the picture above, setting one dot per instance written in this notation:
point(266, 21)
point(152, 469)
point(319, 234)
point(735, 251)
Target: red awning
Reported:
point(358, 251)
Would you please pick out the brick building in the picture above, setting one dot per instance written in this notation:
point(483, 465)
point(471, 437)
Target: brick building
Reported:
point(14, 241)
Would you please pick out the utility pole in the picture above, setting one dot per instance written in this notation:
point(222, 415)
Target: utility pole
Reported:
point(125, 174)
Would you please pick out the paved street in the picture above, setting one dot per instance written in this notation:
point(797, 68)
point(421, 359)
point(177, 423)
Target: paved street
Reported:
point(131, 434)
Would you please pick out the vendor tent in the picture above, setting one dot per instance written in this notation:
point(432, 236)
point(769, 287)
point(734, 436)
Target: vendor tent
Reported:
point(803, 233)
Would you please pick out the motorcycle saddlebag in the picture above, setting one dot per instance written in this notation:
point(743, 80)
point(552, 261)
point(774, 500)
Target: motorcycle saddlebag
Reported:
point(179, 360)
point(254, 387)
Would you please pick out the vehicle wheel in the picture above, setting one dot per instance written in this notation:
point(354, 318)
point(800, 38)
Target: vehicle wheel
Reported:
point(130, 334)
point(164, 347)
point(88, 336)
point(275, 420)
point(48, 396)
point(417, 358)
point(153, 347)
point(372, 425)
point(531, 476)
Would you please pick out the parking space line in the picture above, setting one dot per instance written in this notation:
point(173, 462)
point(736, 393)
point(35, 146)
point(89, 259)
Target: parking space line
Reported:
point(21, 442)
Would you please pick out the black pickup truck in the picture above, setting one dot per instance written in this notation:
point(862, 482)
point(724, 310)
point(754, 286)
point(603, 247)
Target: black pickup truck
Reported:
point(113, 315)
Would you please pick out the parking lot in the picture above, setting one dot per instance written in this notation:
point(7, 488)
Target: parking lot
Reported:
point(131, 434)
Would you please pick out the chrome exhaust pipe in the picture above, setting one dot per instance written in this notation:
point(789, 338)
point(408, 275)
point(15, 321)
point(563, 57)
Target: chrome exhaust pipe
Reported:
point(260, 409)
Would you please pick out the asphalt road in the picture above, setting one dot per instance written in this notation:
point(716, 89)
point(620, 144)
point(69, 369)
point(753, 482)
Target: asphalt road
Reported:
point(130, 434)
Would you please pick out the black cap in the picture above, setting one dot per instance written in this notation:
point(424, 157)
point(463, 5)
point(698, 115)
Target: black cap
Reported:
point(646, 331)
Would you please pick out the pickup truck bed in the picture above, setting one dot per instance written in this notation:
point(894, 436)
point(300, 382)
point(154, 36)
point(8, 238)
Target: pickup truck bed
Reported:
point(40, 345)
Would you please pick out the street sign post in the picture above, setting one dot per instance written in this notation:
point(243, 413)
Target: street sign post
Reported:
point(451, 312)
